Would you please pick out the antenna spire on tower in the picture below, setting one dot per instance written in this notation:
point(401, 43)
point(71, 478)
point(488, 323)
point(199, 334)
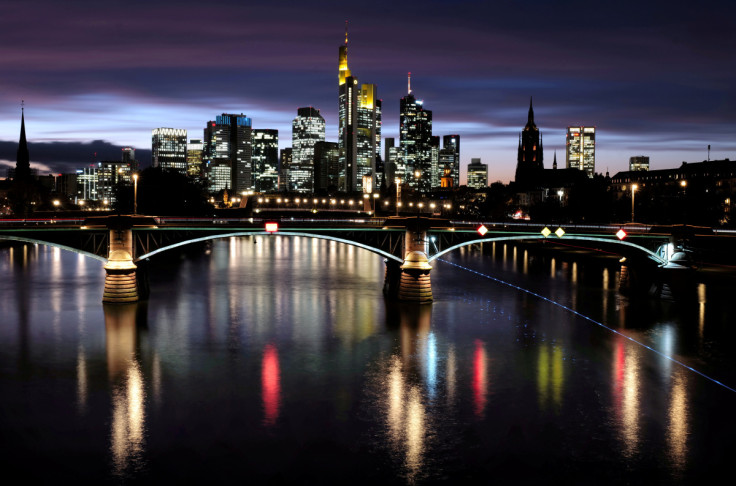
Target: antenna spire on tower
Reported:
point(409, 82)
point(346, 32)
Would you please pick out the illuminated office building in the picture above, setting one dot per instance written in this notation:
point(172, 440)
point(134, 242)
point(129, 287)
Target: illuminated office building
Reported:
point(265, 160)
point(169, 149)
point(307, 129)
point(415, 141)
point(450, 159)
point(128, 156)
point(195, 149)
point(640, 162)
point(359, 126)
point(477, 174)
point(228, 143)
point(581, 149)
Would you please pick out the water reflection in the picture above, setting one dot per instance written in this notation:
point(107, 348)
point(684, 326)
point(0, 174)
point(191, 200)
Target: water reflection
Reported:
point(626, 384)
point(127, 428)
point(480, 379)
point(678, 426)
point(550, 377)
point(270, 384)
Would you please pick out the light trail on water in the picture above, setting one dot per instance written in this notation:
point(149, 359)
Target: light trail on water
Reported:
point(614, 331)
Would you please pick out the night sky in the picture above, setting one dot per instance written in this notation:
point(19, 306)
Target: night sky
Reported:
point(655, 78)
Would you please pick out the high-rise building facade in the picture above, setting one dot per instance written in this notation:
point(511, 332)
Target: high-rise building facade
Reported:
point(415, 142)
point(359, 126)
point(477, 174)
point(228, 142)
point(308, 128)
point(581, 149)
point(450, 159)
point(195, 149)
point(640, 162)
point(284, 167)
point(326, 166)
point(265, 160)
point(128, 156)
point(169, 149)
point(530, 156)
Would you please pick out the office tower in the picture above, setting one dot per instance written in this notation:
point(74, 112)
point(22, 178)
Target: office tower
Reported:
point(110, 173)
point(195, 150)
point(530, 157)
point(169, 149)
point(228, 143)
point(326, 166)
point(284, 166)
point(128, 156)
point(265, 160)
point(359, 125)
point(434, 157)
point(451, 145)
point(307, 129)
point(415, 139)
point(477, 174)
point(581, 149)
point(640, 162)
point(87, 184)
point(368, 141)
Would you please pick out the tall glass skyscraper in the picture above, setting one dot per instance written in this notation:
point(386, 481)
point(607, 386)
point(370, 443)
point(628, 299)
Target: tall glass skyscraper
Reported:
point(169, 149)
point(359, 126)
point(308, 128)
point(265, 160)
point(415, 142)
point(228, 142)
point(581, 149)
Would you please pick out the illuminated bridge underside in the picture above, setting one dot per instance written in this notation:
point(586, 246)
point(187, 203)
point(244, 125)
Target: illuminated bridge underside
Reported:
point(36, 241)
point(365, 246)
point(622, 247)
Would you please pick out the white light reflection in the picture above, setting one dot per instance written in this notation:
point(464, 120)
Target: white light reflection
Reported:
point(626, 384)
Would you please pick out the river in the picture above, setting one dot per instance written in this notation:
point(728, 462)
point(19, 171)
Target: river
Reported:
point(278, 360)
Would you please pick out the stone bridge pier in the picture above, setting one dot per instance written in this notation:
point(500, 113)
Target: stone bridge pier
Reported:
point(409, 281)
point(120, 280)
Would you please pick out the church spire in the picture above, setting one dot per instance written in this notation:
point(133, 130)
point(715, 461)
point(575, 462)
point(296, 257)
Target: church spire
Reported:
point(531, 113)
point(23, 162)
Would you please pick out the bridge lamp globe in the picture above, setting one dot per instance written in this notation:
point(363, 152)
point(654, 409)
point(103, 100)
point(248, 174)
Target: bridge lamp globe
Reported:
point(315, 201)
point(56, 202)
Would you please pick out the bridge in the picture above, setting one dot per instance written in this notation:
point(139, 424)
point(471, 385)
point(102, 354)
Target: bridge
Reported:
point(408, 244)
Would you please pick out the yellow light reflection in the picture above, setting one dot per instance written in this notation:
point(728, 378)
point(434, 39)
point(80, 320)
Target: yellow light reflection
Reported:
point(677, 434)
point(701, 309)
point(626, 384)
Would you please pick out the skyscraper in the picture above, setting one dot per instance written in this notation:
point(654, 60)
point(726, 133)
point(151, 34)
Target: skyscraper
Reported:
point(284, 167)
point(227, 142)
point(265, 160)
point(530, 158)
point(359, 125)
point(169, 149)
point(326, 165)
point(308, 128)
point(581, 149)
point(450, 159)
point(415, 141)
point(195, 149)
point(477, 174)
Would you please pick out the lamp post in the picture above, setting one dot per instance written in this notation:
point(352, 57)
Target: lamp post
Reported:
point(634, 187)
point(135, 193)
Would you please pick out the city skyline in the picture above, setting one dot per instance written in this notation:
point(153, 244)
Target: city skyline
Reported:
point(657, 83)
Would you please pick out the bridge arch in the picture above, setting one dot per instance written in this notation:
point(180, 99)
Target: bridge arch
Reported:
point(55, 245)
point(384, 254)
point(648, 253)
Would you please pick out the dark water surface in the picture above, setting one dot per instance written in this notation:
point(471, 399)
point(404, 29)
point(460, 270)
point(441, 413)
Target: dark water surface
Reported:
point(281, 361)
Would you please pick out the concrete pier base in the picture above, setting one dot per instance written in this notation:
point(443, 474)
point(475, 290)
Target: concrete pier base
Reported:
point(415, 284)
point(120, 279)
